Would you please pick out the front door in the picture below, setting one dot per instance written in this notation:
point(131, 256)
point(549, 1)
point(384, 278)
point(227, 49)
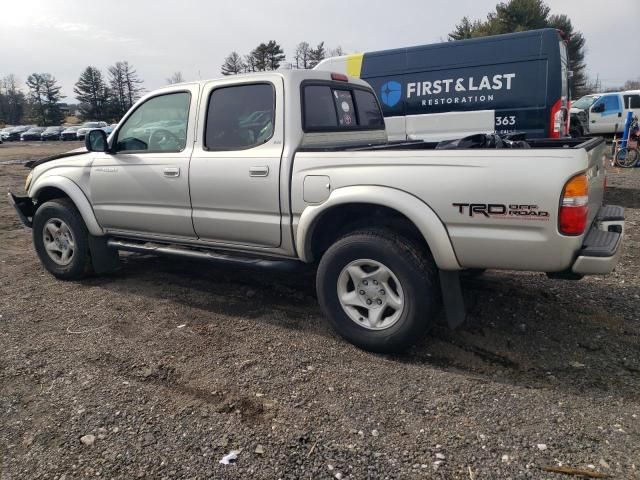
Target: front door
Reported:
point(235, 169)
point(143, 186)
point(605, 115)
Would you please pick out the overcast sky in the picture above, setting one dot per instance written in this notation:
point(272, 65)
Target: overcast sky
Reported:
point(159, 37)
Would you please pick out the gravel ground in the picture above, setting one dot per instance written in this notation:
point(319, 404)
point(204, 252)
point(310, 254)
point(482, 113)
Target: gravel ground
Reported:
point(162, 369)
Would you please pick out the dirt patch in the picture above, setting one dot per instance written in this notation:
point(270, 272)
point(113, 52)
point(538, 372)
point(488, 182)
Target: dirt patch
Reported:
point(171, 364)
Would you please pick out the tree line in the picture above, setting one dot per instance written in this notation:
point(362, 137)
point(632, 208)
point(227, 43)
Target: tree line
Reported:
point(100, 97)
point(271, 56)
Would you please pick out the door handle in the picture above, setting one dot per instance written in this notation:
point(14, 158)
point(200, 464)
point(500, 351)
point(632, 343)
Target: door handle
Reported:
point(262, 171)
point(619, 114)
point(171, 172)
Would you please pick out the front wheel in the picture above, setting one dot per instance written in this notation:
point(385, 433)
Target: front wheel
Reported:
point(626, 157)
point(378, 290)
point(61, 239)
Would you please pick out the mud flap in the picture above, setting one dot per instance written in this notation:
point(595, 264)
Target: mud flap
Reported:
point(452, 298)
point(103, 258)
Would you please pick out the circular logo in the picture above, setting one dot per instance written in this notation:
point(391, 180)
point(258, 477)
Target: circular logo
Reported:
point(345, 107)
point(390, 93)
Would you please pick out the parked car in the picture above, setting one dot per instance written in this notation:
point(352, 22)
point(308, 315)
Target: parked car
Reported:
point(32, 134)
point(270, 183)
point(70, 133)
point(4, 133)
point(87, 126)
point(52, 133)
point(15, 132)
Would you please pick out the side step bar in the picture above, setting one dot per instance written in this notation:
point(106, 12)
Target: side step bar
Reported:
point(173, 251)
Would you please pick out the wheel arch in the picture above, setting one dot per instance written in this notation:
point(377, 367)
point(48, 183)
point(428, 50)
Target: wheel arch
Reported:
point(56, 186)
point(398, 203)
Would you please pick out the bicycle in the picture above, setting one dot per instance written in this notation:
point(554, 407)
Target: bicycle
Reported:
point(627, 157)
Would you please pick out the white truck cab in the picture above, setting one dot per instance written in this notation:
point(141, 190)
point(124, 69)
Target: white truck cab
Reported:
point(608, 113)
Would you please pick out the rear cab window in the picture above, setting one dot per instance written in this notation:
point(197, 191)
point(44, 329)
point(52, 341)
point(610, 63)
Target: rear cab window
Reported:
point(330, 106)
point(632, 101)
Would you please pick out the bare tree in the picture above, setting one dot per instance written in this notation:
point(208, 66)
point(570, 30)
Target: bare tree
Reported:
point(125, 88)
point(175, 78)
point(336, 52)
point(302, 57)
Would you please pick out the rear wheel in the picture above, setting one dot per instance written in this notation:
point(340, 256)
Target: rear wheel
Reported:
point(60, 238)
point(378, 290)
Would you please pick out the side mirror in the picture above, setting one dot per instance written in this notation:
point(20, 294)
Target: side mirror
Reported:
point(96, 141)
point(598, 108)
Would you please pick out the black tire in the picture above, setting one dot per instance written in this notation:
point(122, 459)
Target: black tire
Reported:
point(626, 157)
point(64, 210)
point(414, 269)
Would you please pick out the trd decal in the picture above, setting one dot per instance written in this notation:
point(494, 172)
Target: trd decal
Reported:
point(499, 210)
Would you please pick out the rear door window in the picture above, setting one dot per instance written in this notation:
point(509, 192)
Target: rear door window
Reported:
point(240, 117)
point(329, 108)
point(632, 101)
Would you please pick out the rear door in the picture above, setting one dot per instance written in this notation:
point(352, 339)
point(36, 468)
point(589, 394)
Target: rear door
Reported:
point(235, 169)
point(632, 102)
point(605, 115)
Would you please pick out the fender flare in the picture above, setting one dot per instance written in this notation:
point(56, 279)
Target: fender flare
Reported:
point(77, 196)
point(418, 212)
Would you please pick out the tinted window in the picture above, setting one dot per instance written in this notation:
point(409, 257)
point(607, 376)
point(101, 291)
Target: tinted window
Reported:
point(159, 125)
point(369, 113)
point(327, 108)
point(319, 109)
point(632, 101)
point(240, 117)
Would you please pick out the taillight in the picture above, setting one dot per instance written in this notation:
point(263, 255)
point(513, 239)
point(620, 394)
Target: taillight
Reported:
point(339, 77)
point(574, 206)
point(556, 120)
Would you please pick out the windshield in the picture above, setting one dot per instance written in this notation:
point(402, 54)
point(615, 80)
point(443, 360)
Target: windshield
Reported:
point(90, 125)
point(585, 102)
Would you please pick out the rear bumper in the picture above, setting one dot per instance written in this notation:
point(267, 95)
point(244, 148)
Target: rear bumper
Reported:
point(602, 245)
point(24, 208)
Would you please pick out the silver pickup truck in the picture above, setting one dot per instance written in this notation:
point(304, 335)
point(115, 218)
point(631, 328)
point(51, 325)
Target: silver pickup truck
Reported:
point(273, 169)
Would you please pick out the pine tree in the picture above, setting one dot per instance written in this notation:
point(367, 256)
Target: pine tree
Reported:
point(275, 55)
point(233, 64)
point(575, 52)
point(92, 93)
point(317, 55)
point(44, 99)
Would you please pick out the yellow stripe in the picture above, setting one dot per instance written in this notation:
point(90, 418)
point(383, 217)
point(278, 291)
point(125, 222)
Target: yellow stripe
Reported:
point(354, 64)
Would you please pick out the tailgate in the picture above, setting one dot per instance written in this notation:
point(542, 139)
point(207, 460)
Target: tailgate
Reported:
point(596, 173)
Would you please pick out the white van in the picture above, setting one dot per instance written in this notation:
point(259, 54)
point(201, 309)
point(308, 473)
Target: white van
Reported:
point(608, 113)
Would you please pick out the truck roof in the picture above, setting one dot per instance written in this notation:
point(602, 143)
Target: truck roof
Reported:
point(289, 77)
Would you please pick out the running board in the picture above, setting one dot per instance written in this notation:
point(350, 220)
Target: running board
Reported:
point(155, 249)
